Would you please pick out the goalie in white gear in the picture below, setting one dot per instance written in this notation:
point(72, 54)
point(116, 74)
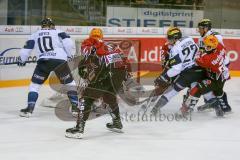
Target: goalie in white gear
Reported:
point(53, 47)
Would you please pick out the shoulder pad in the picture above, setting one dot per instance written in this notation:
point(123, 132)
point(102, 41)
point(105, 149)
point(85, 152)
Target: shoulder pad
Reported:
point(63, 35)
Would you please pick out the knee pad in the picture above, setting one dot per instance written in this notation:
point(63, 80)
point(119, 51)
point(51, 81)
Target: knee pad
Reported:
point(34, 87)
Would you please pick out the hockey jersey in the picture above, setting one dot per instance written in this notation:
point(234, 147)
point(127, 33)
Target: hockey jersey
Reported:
point(49, 44)
point(220, 40)
point(106, 52)
point(164, 53)
point(101, 60)
point(182, 56)
point(214, 63)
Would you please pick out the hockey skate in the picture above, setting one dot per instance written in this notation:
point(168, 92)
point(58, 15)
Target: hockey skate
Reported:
point(76, 132)
point(155, 111)
point(189, 102)
point(26, 112)
point(224, 104)
point(115, 125)
point(227, 109)
point(161, 101)
point(218, 109)
point(184, 111)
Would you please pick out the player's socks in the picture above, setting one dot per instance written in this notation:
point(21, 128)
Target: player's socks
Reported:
point(73, 98)
point(32, 98)
point(161, 102)
point(225, 106)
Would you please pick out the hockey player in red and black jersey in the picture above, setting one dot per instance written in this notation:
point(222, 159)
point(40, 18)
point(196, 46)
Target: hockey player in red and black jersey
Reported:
point(212, 59)
point(102, 71)
point(205, 29)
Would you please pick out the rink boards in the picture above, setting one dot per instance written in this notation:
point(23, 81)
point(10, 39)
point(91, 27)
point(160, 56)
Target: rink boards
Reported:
point(146, 48)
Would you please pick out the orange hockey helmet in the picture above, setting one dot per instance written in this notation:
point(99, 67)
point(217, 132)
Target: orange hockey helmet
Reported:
point(96, 33)
point(210, 42)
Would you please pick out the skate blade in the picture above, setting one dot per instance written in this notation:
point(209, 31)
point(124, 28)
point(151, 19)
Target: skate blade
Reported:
point(27, 115)
point(74, 136)
point(205, 110)
point(228, 113)
point(116, 130)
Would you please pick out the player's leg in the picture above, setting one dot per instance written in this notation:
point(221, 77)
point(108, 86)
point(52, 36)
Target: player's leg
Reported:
point(185, 79)
point(85, 107)
point(227, 107)
point(83, 114)
point(161, 101)
point(111, 100)
point(220, 104)
point(40, 75)
point(204, 87)
point(70, 88)
point(154, 97)
point(211, 97)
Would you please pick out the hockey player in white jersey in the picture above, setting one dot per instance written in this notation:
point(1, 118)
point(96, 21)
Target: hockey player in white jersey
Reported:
point(53, 47)
point(181, 67)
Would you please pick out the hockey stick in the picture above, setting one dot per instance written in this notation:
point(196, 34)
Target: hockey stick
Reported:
point(206, 106)
point(17, 63)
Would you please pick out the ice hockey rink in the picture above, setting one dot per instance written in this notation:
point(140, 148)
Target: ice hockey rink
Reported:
point(42, 136)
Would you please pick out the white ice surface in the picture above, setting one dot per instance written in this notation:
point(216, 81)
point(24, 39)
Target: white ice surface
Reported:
point(42, 136)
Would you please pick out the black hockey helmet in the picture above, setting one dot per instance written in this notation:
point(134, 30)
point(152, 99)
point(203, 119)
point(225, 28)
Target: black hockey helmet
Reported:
point(47, 22)
point(205, 23)
point(174, 33)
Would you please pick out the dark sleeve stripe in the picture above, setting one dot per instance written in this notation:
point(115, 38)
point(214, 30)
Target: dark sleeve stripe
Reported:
point(63, 35)
point(29, 44)
point(175, 60)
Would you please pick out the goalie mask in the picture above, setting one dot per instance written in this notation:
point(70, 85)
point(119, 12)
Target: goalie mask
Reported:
point(211, 43)
point(96, 33)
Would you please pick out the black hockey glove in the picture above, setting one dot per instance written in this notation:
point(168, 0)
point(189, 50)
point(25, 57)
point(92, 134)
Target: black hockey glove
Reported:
point(20, 63)
point(163, 78)
point(93, 50)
